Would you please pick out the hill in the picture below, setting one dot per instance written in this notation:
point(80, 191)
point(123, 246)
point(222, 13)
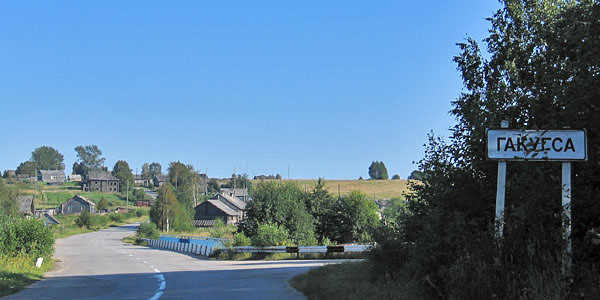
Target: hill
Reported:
point(378, 189)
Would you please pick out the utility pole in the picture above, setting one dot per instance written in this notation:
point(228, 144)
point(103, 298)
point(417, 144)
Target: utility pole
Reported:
point(127, 194)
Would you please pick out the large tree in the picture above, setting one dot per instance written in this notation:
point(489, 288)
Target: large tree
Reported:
point(542, 71)
point(122, 171)
point(377, 170)
point(89, 158)
point(47, 158)
point(27, 168)
point(155, 169)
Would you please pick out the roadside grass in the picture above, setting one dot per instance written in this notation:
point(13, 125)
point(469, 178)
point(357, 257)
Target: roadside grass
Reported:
point(377, 189)
point(67, 226)
point(225, 254)
point(19, 272)
point(347, 280)
point(134, 240)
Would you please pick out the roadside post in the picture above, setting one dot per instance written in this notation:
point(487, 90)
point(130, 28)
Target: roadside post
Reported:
point(537, 145)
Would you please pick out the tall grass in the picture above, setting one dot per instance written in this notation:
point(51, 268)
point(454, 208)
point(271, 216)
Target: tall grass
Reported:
point(18, 272)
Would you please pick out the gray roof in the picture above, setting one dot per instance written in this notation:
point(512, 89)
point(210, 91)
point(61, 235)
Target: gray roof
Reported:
point(138, 177)
point(81, 198)
point(235, 192)
point(205, 222)
point(235, 201)
point(101, 175)
point(48, 219)
point(25, 204)
point(52, 176)
point(223, 207)
point(161, 177)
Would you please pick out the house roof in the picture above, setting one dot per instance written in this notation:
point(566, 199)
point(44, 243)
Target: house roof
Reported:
point(138, 177)
point(25, 203)
point(235, 192)
point(235, 201)
point(74, 176)
point(205, 222)
point(161, 177)
point(48, 219)
point(101, 175)
point(223, 207)
point(52, 175)
point(90, 203)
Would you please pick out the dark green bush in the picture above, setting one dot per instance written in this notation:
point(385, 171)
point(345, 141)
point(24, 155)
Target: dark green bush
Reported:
point(20, 236)
point(84, 220)
point(148, 231)
point(270, 235)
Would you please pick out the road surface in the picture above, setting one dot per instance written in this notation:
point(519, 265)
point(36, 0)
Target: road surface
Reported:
point(98, 265)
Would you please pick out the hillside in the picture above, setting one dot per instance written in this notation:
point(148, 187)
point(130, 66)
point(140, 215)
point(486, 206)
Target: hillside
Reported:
point(377, 189)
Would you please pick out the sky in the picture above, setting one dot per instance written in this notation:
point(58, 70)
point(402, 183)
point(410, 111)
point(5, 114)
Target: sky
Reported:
point(319, 88)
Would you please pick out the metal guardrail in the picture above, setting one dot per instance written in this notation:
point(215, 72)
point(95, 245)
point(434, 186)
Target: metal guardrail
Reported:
point(196, 249)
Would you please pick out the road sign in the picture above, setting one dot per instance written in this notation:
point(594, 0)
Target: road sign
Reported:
point(540, 145)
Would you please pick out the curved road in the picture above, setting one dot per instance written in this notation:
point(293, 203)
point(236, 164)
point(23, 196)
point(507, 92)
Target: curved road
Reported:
point(98, 265)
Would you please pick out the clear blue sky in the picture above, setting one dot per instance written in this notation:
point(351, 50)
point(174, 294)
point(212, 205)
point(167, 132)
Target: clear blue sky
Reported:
point(325, 87)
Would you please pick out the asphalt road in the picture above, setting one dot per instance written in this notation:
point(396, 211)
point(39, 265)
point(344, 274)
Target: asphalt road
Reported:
point(98, 265)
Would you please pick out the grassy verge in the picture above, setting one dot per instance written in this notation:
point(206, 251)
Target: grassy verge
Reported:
point(224, 254)
point(19, 272)
point(68, 227)
point(349, 280)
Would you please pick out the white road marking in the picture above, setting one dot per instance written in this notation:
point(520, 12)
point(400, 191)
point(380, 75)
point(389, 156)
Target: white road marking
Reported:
point(156, 270)
point(161, 286)
point(130, 255)
point(145, 262)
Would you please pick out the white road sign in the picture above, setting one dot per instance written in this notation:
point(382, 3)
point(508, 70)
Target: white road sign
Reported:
point(561, 145)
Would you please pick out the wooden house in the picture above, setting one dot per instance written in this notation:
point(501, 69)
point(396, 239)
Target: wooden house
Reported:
point(49, 220)
point(75, 178)
point(242, 194)
point(210, 210)
point(54, 177)
point(101, 181)
point(25, 205)
point(139, 180)
point(159, 180)
point(76, 205)
point(232, 202)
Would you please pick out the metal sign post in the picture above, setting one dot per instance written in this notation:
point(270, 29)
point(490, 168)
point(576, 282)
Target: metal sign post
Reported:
point(537, 145)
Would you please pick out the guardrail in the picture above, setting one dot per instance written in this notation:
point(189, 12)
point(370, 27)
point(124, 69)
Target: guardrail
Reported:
point(191, 248)
point(184, 245)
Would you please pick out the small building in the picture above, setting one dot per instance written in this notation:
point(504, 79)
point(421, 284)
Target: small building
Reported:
point(10, 174)
point(54, 177)
point(121, 210)
point(139, 179)
point(233, 203)
point(75, 178)
point(144, 202)
point(51, 211)
point(76, 205)
point(25, 205)
point(26, 177)
point(49, 220)
point(210, 210)
point(242, 194)
point(101, 181)
point(159, 180)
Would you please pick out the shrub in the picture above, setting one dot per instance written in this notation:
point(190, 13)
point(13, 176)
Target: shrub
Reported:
point(84, 220)
point(241, 240)
point(116, 217)
point(139, 213)
point(270, 235)
point(148, 231)
point(20, 236)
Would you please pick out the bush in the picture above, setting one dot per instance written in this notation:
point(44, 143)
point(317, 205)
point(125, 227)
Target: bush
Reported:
point(116, 217)
point(84, 220)
point(241, 240)
point(139, 213)
point(270, 235)
point(29, 237)
point(148, 231)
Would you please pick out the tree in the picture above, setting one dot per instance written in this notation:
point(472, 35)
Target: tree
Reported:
point(540, 72)
point(8, 206)
point(320, 204)
point(102, 204)
point(167, 214)
point(356, 218)
point(378, 171)
point(122, 171)
point(155, 169)
point(146, 174)
point(89, 158)
point(139, 194)
point(84, 219)
point(416, 175)
point(47, 158)
point(27, 168)
point(213, 186)
point(396, 177)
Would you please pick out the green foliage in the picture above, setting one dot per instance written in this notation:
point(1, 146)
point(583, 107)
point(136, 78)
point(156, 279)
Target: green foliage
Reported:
point(416, 175)
point(89, 158)
point(8, 206)
point(356, 217)
point(270, 235)
point(84, 220)
point(378, 171)
point(220, 229)
point(541, 74)
point(213, 186)
point(47, 158)
point(122, 171)
point(27, 168)
point(139, 194)
point(102, 204)
point(155, 169)
point(167, 214)
point(28, 237)
point(396, 177)
point(148, 231)
point(241, 240)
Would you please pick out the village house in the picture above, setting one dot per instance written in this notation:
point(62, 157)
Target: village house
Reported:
point(53, 177)
point(75, 178)
point(101, 181)
point(25, 205)
point(139, 179)
point(76, 205)
point(232, 202)
point(159, 180)
point(144, 202)
point(49, 220)
point(242, 194)
point(210, 210)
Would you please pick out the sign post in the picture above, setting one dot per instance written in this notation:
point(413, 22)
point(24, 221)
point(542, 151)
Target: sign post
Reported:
point(537, 145)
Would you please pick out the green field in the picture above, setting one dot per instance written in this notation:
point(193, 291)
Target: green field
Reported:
point(377, 189)
point(53, 195)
